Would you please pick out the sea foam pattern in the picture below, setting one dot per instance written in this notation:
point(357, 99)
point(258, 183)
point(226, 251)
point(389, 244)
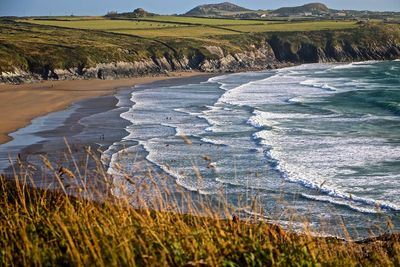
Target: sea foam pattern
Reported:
point(319, 137)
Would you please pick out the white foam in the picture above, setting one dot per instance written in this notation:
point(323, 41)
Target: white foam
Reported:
point(277, 89)
point(315, 161)
point(212, 141)
point(362, 64)
point(319, 83)
point(270, 119)
point(180, 178)
point(297, 158)
point(342, 202)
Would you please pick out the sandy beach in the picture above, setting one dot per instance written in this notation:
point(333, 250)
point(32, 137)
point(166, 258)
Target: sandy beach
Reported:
point(21, 103)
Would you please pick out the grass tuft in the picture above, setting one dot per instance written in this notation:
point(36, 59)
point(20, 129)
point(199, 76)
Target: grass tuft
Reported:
point(82, 224)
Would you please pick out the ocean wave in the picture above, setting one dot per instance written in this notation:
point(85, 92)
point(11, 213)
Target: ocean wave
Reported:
point(185, 111)
point(213, 141)
point(180, 132)
point(335, 193)
point(219, 78)
point(222, 81)
point(264, 139)
point(318, 84)
point(392, 107)
point(262, 119)
point(362, 64)
point(180, 179)
point(340, 202)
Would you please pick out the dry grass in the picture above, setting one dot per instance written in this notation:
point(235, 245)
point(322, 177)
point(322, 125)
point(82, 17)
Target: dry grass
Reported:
point(80, 223)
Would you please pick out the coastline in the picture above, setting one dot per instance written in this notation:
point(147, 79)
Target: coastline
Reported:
point(93, 105)
point(87, 120)
point(24, 102)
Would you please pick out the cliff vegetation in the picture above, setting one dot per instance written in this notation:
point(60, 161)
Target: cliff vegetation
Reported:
point(86, 48)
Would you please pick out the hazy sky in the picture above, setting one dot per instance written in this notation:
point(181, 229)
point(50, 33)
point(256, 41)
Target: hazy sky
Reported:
point(100, 7)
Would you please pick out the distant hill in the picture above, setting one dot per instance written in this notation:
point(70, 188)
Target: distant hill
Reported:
point(216, 9)
point(308, 8)
point(309, 11)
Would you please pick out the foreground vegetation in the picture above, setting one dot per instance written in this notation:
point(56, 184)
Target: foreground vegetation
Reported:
point(48, 228)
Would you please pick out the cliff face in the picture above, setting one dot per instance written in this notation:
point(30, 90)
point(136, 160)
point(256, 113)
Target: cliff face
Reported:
point(343, 51)
point(270, 51)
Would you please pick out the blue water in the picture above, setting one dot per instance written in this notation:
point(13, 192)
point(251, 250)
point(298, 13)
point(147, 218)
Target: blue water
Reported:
point(317, 143)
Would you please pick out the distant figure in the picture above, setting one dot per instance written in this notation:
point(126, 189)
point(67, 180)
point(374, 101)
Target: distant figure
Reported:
point(235, 218)
point(211, 165)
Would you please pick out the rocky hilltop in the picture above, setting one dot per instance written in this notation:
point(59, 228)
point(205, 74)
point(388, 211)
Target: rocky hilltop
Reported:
point(231, 54)
point(317, 8)
point(137, 13)
point(215, 9)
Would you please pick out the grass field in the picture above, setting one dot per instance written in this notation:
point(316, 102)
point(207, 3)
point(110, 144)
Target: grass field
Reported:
point(295, 26)
point(103, 24)
point(187, 32)
point(205, 21)
point(164, 26)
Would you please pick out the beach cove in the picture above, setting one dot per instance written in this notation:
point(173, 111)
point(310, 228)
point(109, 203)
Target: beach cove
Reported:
point(23, 102)
point(234, 123)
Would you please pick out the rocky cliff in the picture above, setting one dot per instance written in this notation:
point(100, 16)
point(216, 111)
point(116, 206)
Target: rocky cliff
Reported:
point(265, 51)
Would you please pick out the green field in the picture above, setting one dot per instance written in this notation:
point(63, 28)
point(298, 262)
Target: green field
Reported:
point(295, 26)
point(189, 31)
point(205, 21)
point(104, 24)
point(173, 26)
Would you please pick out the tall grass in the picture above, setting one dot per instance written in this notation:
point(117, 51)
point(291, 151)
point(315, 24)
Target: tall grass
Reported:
point(75, 220)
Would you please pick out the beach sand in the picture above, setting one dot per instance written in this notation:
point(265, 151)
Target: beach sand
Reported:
point(94, 121)
point(21, 103)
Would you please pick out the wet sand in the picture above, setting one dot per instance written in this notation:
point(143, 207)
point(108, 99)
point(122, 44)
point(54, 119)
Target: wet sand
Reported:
point(93, 122)
point(21, 103)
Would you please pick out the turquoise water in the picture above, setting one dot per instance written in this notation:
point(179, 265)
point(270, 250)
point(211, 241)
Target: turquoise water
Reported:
point(321, 141)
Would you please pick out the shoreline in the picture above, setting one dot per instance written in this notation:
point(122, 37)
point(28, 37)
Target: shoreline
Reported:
point(24, 102)
point(95, 105)
point(91, 121)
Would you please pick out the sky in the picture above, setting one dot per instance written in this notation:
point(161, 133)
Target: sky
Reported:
point(101, 7)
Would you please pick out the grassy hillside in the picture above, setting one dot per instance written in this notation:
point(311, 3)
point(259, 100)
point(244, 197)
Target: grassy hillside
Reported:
point(50, 228)
point(40, 44)
point(216, 9)
point(313, 7)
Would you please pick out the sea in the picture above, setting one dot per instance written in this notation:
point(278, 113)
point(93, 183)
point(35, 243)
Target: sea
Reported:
point(316, 145)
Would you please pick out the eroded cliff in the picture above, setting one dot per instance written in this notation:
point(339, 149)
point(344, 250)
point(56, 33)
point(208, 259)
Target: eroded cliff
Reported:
point(244, 53)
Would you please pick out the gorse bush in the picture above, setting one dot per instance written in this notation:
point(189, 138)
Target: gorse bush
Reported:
point(82, 224)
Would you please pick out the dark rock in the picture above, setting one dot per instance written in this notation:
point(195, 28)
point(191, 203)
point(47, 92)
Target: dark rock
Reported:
point(271, 53)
